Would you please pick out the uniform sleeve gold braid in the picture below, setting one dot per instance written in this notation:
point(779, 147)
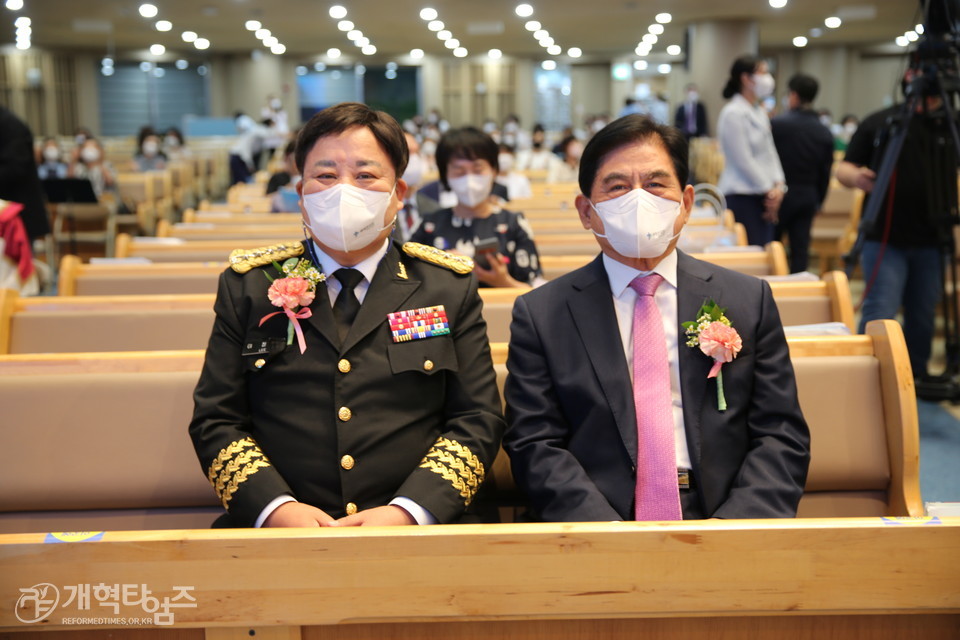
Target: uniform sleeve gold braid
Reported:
point(227, 453)
point(455, 464)
point(459, 450)
point(450, 476)
point(241, 477)
point(236, 465)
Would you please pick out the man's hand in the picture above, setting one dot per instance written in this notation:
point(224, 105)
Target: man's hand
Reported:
point(855, 176)
point(864, 179)
point(771, 204)
point(297, 514)
point(497, 275)
point(388, 516)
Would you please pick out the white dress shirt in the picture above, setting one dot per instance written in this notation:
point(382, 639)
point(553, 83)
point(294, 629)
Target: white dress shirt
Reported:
point(751, 164)
point(368, 268)
point(624, 300)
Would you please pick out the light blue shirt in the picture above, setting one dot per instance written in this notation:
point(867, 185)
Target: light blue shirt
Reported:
point(751, 164)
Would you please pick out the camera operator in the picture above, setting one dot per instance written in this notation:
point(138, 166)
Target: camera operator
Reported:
point(902, 260)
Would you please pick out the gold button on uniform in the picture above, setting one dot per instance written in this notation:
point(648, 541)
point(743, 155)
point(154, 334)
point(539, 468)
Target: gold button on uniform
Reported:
point(347, 462)
point(344, 414)
point(344, 366)
point(428, 365)
point(351, 508)
point(259, 363)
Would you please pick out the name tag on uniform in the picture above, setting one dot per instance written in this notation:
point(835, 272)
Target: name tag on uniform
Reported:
point(263, 347)
point(415, 324)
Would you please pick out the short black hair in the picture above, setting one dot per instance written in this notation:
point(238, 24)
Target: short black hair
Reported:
point(627, 130)
point(744, 64)
point(346, 115)
point(804, 86)
point(468, 143)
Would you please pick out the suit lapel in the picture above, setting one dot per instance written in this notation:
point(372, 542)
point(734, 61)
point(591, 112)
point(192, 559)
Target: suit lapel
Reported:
point(693, 290)
point(592, 309)
point(386, 293)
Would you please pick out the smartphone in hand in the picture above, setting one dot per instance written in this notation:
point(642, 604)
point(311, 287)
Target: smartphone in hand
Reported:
point(483, 249)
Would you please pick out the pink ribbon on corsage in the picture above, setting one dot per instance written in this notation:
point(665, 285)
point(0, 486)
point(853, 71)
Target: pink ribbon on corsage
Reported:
point(303, 314)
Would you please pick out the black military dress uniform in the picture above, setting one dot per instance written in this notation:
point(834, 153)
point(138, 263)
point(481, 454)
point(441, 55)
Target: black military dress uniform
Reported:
point(347, 427)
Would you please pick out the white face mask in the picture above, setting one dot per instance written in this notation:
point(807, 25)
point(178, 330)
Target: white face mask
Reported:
point(416, 167)
point(51, 154)
point(472, 188)
point(171, 142)
point(347, 218)
point(90, 154)
point(693, 96)
point(150, 148)
point(275, 104)
point(638, 224)
point(505, 160)
point(763, 85)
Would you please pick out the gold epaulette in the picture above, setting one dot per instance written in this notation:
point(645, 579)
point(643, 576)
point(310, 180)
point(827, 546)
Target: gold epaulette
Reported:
point(242, 260)
point(457, 264)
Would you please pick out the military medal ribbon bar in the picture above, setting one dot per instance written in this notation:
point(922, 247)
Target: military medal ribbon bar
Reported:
point(415, 324)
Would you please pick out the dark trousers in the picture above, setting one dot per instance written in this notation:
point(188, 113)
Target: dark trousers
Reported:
point(748, 211)
point(796, 218)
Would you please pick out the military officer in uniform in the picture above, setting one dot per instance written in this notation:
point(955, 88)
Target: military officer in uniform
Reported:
point(348, 380)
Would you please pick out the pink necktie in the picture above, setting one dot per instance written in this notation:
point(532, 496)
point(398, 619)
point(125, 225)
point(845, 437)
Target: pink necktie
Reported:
point(657, 495)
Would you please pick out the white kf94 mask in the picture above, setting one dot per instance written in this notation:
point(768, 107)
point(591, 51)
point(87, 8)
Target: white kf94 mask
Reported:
point(347, 218)
point(638, 224)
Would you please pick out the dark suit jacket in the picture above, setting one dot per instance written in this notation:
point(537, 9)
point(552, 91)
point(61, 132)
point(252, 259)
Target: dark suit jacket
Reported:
point(680, 120)
point(572, 434)
point(805, 148)
point(19, 180)
point(424, 417)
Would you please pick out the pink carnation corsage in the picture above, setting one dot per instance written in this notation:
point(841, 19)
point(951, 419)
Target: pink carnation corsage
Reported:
point(716, 337)
point(293, 293)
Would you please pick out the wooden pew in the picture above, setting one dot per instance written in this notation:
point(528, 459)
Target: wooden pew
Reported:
point(835, 226)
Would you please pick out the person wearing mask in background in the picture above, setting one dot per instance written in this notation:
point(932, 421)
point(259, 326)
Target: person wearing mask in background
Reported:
point(691, 115)
point(513, 135)
point(468, 161)
point(752, 178)
point(517, 184)
point(408, 218)
point(174, 145)
point(335, 414)
point(537, 157)
point(806, 153)
point(282, 184)
point(80, 135)
point(149, 157)
point(93, 166)
point(51, 165)
point(279, 129)
point(843, 132)
point(565, 167)
point(245, 152)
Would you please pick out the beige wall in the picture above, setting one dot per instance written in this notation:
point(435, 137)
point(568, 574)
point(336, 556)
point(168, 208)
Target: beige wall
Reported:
point(591, 88)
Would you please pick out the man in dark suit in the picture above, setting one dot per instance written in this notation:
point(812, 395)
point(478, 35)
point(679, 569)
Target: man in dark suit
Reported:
point(691, 115)
point(805, 148)
point(584, 396)
point(19, 180)
point(355, 387)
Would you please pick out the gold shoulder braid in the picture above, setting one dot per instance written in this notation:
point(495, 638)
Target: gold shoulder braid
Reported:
point(243, 260)
point(457, 264)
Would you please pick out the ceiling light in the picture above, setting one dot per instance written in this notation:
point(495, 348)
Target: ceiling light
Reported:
point(262, 33)
point(202, 70)
point(816, 32)
point(574, 52)
point(833, 22)
point(333, 52)
point(146, 10)
point(107, 71)
point(778, 4)
point(664, 68)
point(452, 43)
point(460, 52)
point(201, 43)
point(649, 38)
point(664, 18)
point(107, 62)
point(548, 65)
point(362, 42)
point(435, 25)
point(252, 25)
point(533, 25)
point(392, 66)
point(800, 41)
point(272, 41)
point(416, 54)
point(22, 21)
point(656, 29)
point(640, 65)
point(158, 49)
point(390, 74)
point(16, 5)
point(23, 45)
point(368, 50)
point(495, 54)
point(278, 49)
point(182, 64)
point(540, 34)
point(524, 10)
point(345, 25)
point(547, 42)
point(902, 41)
point(912, 36)
point(919, 29)
point(146, 66)
point(189, 36)
point(428, 14)
point(554, 50)
point(356, 34)
point(674, 50)
point(319, 66)
point(338, 12)
point(163, 25)
point(642, 50)
point(301, 70)
point(444, 35)
point(159, 72)
point(24, 32)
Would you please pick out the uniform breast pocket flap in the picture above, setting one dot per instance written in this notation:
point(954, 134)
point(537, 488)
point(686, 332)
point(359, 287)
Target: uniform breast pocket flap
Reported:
point(428, 356)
